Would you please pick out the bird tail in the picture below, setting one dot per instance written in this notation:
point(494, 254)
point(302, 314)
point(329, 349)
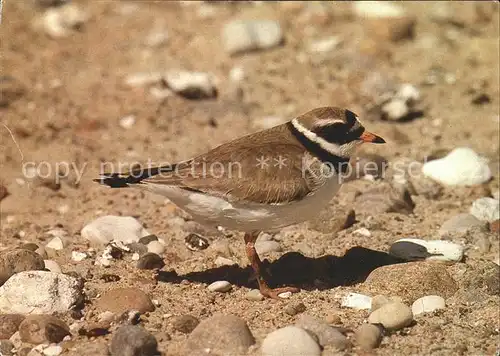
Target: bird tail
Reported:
point(125, 179)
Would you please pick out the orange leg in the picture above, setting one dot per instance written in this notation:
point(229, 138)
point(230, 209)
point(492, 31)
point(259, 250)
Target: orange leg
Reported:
point(257, 265)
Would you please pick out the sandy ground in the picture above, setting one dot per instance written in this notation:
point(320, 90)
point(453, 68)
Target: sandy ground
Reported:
point(65, 98)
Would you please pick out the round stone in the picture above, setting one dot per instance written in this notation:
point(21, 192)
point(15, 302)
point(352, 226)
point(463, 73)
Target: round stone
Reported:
point(156, 247)
point(20, 260)
point(290, 340)
point(38, 329)
point(428, 304)
point(393, 316)
point(185, 323)
point(368, 336)
point(133, 340)
point(220, 286)
point(9, 324)
point(150, 261)
point(121, 300)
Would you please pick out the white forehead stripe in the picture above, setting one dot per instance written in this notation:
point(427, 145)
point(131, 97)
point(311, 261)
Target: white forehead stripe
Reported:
point(332, 148)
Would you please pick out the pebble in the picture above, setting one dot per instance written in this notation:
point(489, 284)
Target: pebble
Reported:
point(121, 300)
point(243, 36)
point(52, 350)
point(428, 304)
point(109, 228)
point(324, 45)
point(393, 316)
point(38, 329)
point(237, 74)
point(333, 220)
point(377, 9)
point(411, 280)
point(196, 242)
point(254, 294)
point(294, 309)
point(384, 198)
point(220, 286)
point(40, 292)
point(368, 336)
point(52, 266)
point(57, 243)
point(150, 261)
point(362, 232)
point(221, 334)
point(462, 166)
point(9, 324)
point(357, 301)
point(191, 85)
point(62, 20)
point(418, 249)
point(459, 225)
point(327, 335)
point(486, 209)
point(378, 301)
point(127, 122)
point(266, 247)
point(222, 261)
point(133, 340)
point(290, 340)
point(143, 79)
point(156, 247)
point(185, 323)
point(78, 256)
point(17, 261)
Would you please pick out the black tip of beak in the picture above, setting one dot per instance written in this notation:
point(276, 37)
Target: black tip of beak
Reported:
point(378, 139)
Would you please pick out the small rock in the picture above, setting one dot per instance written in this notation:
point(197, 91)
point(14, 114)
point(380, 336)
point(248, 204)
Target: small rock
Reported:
point(38, 329)
point(244, 36)
point(395, 109)
point(290, 340)
point(417, 249)
point(156, 247)
point(327, 335)
point(377, 9)
point(324, 45)
point(127, 122)
point(393, 316)
point(362, 232)
point(60, 21)
point(78, 256)
point(222, 261)
point(196, 242)
point(285, 295)
point(110, 228)
point(138, 248)
point(191, 85)
point(133, 340)
point(17, 261)
point(333, 220)
point(411, 280)
point(254, 294)
point(462, 166)
point(221, 334)
point(460, 225)
point(40, 292)
point(266, 247)
point(185, 323)
point(52, 266)
point(220, 286)
point(383, 198)
point(52, 350)
point(56, 243)
point(150, 261)
point(148, 239)
point(357, 301)
point(294, 309)
point(427, 304)
point(121, 300)
point(143, 79)
point(486, 209)
point(9, 324)
point(368, 336)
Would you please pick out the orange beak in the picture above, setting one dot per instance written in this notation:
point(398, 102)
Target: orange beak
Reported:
point(371, 138)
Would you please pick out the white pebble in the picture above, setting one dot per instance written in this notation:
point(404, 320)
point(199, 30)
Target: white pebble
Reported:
point(135, 256)
point(290, 340)
point(193, 85)
point(220, 286)
point(127, 122)
point(486, 209)
point(143, 79)
point(242, 36)
point(285, 295)
point(108, 228)
point(395, 109)
point(156, 247)
point(78, 256)
point(462, 166)
point(357, 301)
point(393, 316)
point(222, 261)
point(52, 350)
point(324, 45)
point(254, 294)
point(265, 247)
point(408, 92)
point(56, 243)
point(237, 74)
point(377, 9)
point(58, 21)
point(428, 304)
point(363, 232)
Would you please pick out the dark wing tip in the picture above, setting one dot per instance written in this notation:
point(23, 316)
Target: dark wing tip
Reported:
point(114, 180)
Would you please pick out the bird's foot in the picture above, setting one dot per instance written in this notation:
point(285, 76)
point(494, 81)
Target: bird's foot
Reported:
point(274, 293)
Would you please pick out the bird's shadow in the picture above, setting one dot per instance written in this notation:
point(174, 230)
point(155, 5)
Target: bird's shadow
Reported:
point(295, 269)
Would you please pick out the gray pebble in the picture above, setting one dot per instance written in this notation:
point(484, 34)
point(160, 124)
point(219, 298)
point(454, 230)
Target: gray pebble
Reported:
point(185, 323)
point(19, 260)
point(486, 209)
point(290, 340)
point(327, 335)
point(38, 329)
point(147, 239)
point(294, 309)
point(150, 261)
point(132, 340)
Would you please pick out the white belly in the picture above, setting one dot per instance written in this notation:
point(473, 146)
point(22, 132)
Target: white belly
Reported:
point(212, 210)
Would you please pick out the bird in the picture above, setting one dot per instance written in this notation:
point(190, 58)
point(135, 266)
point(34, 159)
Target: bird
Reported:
point(263, 181)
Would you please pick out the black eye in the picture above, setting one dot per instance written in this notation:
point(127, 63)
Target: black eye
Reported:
point(334, 133)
